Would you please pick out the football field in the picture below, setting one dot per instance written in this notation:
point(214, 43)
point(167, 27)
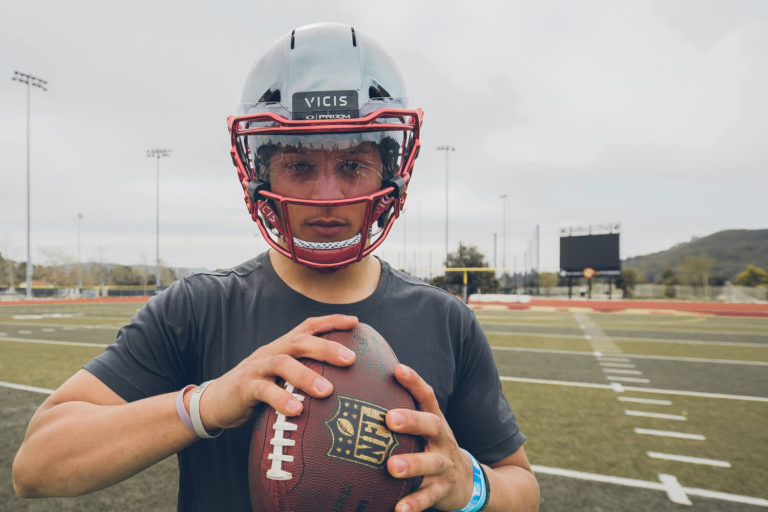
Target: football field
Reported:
point(623, 411)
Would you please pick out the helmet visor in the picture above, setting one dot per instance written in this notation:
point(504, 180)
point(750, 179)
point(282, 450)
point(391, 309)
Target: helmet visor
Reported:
point(326, 165)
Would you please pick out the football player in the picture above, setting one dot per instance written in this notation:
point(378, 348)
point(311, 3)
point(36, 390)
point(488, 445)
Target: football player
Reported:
point(324, 145)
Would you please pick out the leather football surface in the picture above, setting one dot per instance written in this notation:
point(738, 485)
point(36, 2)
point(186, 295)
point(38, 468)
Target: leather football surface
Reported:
point(333, 455)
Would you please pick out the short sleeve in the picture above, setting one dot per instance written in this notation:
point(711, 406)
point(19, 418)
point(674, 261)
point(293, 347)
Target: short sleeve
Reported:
point(151, 354)
point(479, 413)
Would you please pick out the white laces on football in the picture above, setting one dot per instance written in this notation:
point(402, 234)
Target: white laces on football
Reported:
point(276, 472)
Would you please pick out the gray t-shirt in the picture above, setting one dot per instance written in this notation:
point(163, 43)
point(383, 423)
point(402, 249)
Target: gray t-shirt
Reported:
point(205, 324)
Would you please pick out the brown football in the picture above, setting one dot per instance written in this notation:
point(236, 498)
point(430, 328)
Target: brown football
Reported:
point(333, 456)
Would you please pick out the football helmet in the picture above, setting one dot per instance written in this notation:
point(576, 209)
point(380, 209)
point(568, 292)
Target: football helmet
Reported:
point(324, 123)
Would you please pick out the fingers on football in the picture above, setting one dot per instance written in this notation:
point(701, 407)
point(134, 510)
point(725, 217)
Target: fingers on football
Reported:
point(289, 369)
point(420, 500)
point(321, 324)
point(421, 391)
point(416, 423)
point(298, 344)
point(418, 464)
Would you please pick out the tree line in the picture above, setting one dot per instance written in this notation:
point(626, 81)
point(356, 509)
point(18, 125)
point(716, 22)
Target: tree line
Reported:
point(14, 273)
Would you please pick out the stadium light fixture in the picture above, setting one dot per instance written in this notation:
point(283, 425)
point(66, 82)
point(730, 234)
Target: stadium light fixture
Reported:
point(30, 81)
point(447, 150)
point(157, 153)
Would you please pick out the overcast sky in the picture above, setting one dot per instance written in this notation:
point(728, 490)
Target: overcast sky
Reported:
point(651, 114)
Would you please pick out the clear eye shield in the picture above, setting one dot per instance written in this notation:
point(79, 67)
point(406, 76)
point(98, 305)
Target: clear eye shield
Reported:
point(327, 165)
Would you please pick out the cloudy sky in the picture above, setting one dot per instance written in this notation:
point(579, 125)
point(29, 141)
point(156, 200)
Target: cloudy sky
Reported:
point(651, 114)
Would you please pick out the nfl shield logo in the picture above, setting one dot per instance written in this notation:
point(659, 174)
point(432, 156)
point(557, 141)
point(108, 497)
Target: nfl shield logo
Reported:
point(359, 434)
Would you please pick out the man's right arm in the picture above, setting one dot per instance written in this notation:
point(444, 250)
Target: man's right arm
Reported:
point(85, 437)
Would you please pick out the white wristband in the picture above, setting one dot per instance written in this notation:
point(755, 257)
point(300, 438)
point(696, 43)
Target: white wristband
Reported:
point(194, 413)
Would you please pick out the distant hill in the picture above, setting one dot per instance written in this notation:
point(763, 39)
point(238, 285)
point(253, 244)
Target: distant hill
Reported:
point(732, 250)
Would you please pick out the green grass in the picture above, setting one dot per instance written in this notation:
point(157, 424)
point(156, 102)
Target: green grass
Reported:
point(585, 429)
point(672, 349)
point(539, 342)
point(42, 365)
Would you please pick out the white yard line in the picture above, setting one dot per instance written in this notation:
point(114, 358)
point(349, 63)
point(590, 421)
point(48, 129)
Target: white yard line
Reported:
point(24, 387)
point(629, 379)
point(667, 433)
point(634, 388)
point(644, 400)
point(633, 356)
point(657, 415)
point(617, 387)
point(628, 338)
point(689, 460)
point(675, 491)
point(644, 484)
point(622, 371)
point(54, 342)
point(616, 365)
point(613, 360)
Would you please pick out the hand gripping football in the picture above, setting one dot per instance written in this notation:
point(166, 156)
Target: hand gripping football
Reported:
point(333, 456)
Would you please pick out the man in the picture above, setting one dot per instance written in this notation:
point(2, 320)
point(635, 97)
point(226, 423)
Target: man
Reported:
point(324, 148)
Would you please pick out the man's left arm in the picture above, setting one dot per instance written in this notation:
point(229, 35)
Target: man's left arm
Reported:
point(446, 469)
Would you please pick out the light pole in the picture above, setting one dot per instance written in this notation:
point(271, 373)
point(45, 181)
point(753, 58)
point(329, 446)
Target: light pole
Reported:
point(157, 153)
point(30, 81)
point(79, 259)
point(447, 150)
point(503, 198)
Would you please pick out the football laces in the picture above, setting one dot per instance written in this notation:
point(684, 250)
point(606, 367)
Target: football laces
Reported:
point(279, 441)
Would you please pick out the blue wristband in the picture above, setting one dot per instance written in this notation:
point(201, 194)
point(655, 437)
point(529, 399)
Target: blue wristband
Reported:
point(479, 499)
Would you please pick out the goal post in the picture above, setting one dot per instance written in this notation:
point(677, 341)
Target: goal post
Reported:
point(466, 271)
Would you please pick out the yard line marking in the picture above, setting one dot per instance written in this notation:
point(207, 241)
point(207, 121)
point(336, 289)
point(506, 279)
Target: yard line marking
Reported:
point(675, 491)
point(588, 337)
point(691, 460)
point(644, 400)
point(657, 415)
point(691, 342)
point(48, 329)
point(621, 370)
point(617, 365)
point(24, 387)
point(24, 331)
point(68, 328)
point(667, 433)
point(644, 484)
point(629, 379)
point(54, 342)
point(633, 356)
point(611, 359)
point(626, 338)
point(598, 353)
point(617, 387)
point(680, 392)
